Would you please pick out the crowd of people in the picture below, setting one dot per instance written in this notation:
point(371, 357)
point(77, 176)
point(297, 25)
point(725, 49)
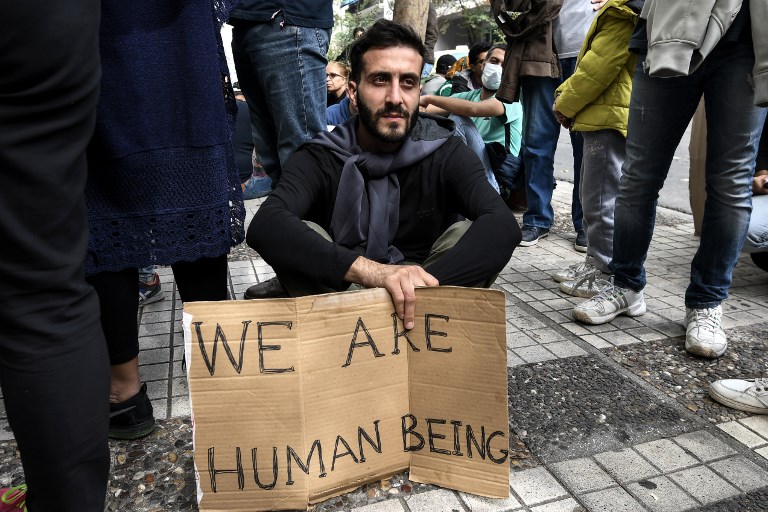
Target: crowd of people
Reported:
point(129, 138)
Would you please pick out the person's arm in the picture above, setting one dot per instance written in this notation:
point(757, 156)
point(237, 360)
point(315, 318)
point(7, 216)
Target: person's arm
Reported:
point(400, 281)
point(598, 68)
point(278, 233)
point(443, 105)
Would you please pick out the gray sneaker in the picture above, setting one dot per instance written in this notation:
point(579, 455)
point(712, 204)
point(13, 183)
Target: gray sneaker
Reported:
point(609, 303)
point(750, 395)
point(575, 271)
point(704, 334)
point(587, 286)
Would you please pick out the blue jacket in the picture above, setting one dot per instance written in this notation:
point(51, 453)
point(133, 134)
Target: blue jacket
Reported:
point(339, 113)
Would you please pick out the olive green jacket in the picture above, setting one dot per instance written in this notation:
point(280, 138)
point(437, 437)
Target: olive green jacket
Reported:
point(597, 95)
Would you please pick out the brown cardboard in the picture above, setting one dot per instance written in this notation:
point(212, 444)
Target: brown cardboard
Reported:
point(313, 389)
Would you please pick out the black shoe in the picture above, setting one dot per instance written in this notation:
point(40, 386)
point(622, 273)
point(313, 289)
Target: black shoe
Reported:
point(760, 259)
point(133, 418)
point(581, 241)
point(270, 289)
point(531, 235)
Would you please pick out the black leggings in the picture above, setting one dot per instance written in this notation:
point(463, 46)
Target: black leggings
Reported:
point(203, 279)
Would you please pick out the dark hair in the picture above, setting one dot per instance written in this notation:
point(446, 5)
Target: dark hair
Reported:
point(383, 34)
point(356, 30)
point(444, 63)
point(500, 46)
point(476, 50)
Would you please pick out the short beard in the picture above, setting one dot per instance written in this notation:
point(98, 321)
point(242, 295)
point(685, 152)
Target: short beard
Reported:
point(368, 117)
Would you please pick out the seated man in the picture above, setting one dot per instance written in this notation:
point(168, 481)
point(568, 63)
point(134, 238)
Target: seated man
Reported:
point(430, 84)
point(375, 202)
point(756, 243)
point(495, 121)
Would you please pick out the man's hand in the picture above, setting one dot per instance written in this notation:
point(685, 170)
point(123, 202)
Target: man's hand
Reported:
point(597, 4)
point(760, 183)
point(565, 121)
point(400, 281)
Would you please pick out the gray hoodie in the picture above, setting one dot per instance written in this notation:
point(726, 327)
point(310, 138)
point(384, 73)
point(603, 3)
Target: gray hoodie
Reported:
point(681, 34)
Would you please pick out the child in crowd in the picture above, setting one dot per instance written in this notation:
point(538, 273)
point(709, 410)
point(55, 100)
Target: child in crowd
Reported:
point(595, 101)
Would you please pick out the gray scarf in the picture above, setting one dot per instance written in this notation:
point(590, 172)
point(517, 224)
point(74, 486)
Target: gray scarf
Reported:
point(367, 209)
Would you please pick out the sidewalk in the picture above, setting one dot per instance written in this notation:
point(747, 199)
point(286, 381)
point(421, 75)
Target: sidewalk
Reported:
point(603, 418)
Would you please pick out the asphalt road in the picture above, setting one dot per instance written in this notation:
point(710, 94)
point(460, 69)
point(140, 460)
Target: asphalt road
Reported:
point(675, 193)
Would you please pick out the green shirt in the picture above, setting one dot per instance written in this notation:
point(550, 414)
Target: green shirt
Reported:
point(492, 129)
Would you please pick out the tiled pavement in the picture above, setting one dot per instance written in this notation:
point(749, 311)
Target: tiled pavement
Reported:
point(601, 432)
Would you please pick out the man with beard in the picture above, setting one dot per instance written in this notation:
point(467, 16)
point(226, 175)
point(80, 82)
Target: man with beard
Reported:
point(375, 203)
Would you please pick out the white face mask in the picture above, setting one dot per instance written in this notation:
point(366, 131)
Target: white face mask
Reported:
point(492, 76)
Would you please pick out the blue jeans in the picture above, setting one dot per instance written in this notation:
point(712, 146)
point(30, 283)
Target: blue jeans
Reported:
point(660, 110)
point(757, 235)
point(466, 129)
point(281, 71)
point(540, 133)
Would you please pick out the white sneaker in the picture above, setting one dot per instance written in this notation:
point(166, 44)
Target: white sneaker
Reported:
point(587, 286)
point(609, 303)
point(750, 395)
point(575, 271)
point(704, 335)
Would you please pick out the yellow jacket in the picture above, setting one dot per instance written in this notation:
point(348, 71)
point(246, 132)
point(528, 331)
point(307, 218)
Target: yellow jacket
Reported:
point(597, 95)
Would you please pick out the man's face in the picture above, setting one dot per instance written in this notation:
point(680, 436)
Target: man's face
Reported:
point(477, 69)
point(496, 57)
point(387, 96)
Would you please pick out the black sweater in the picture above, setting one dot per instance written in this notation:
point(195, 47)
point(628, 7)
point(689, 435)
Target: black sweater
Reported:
point(433, 193)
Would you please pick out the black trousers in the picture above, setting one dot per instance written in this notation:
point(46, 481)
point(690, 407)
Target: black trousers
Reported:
point(54, 370)
point(202, 279)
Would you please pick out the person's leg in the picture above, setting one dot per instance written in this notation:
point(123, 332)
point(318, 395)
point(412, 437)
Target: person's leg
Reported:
point(202, 279)
point(757, 233)
point(53, 359)
point(131, 415)
point(281, 71)
point(659, 112)
point(540, 132)
point(732, 136)
point(466, 129)
point(601, 170)
point(568, 66)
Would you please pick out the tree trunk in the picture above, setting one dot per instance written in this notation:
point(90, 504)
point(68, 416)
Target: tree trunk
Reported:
point(413, 13)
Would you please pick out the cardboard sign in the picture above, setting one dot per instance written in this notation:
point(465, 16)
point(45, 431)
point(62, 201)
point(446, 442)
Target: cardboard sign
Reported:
point(298, 400)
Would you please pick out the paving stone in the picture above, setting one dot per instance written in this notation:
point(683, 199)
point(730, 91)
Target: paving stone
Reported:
point(569, 505)
point(742, 434)
point(703, 484)
point(596, 341)
point(614, 499)
point(763, 452)
point(741, 472)
point(439, 500)
point(626, 465)
point(582, 475)
point(666, 455)
point(660, 494)
point(534, 354)
point(758, 424)
point(565, 349)
point(483, 504)
point(704, 445)
point(382, 506)
point(535, 486)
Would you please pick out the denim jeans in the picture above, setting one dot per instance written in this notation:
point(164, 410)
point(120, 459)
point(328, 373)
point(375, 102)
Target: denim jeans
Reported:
point(540, 134)
point(660, 110)
point(281, 70)
point(466, 129)
point(600, 173)
point(757, 234)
